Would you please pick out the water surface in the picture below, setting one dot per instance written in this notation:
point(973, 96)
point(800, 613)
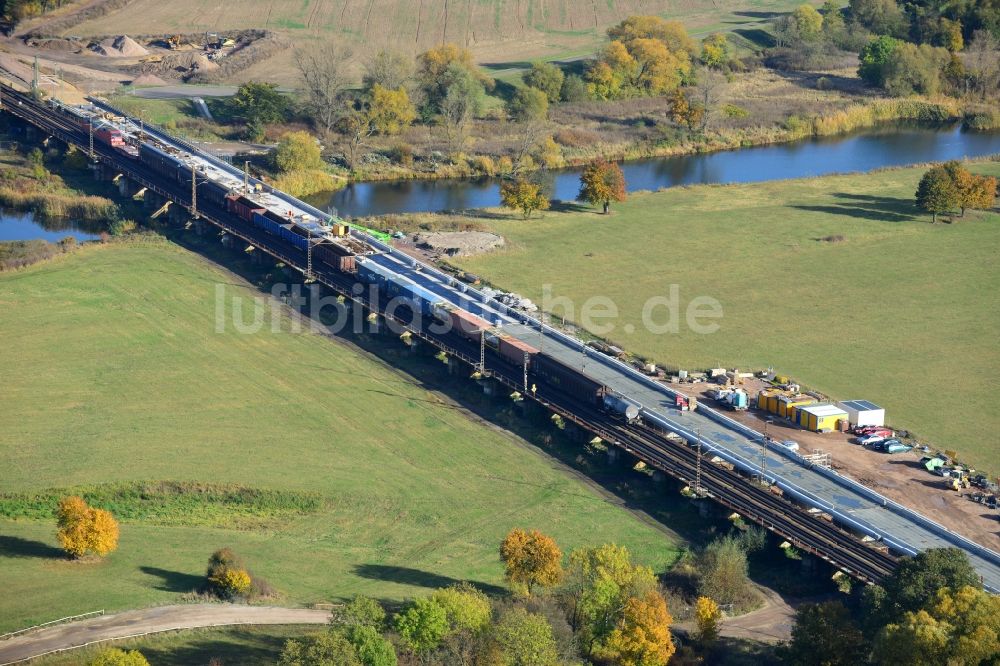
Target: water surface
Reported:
point(862, 151)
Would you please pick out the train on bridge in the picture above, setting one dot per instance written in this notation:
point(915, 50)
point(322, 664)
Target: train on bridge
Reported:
point(600, 394)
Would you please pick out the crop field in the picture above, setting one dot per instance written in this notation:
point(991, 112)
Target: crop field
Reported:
point(330, 472)
point(897, 311)
point(496, 30)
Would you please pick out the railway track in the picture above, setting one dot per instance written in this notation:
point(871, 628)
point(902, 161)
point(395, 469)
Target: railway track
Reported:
point(675, 458)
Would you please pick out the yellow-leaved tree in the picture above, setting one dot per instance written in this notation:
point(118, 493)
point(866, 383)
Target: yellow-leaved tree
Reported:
point(531, 558)
point(707, 615)
point(84, 530)
point(642, 637)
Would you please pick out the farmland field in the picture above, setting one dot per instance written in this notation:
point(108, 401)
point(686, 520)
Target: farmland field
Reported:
point(496, 30)
point(897, 311)
point(356, 479)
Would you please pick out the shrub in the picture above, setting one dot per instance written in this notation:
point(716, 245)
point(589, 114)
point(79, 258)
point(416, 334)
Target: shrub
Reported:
point(484, 164)
point(734, 111)
point(402, 153)
point(118, 657)
point(83, 530)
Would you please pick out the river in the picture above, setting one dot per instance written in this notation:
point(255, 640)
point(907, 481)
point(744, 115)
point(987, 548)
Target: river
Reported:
point(862, 151)
point(16, 225)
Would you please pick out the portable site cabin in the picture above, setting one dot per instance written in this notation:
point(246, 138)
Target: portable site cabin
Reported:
point(787, 404)
point(819, 418)
point(863, 413)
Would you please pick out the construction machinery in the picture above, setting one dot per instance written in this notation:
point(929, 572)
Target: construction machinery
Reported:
point(174, 42)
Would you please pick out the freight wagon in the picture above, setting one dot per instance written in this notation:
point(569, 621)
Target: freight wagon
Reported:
point(512, 350)
point(622, 406)
point(569, 381)
point(242, 207)
point(463, 323)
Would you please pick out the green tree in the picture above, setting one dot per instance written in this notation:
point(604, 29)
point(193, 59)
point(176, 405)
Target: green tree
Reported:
point(915, 68)
point(546, 77)
point(601, 183)
point(528, 104)
point(525, 639)
point(882, 17)
point(834, 27)
point(466, 608)
point(723, 567)
point(362, 611)
point(936, 194)
point(599, 583)
point(917, 579)
point(875, 57)
point(371, 647)
point(462, 101)
point(297, 151)
point(328, 648)
point(118, 657)
point(423, 625)
point(574, 89)
point(524, 196)
point(259, 103)
point(825, 635)
point(436, 72)
point(959, 627)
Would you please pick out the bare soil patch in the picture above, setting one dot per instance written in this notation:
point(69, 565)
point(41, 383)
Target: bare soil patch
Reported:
point(899, 477)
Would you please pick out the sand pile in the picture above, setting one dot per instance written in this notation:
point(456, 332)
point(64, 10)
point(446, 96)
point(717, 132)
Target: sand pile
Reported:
point(457, 243)
point(202, 64)
point(148, 80)
point(122, 46)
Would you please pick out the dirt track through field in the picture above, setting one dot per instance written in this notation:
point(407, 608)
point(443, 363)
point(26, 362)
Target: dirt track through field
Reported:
point(149, 620)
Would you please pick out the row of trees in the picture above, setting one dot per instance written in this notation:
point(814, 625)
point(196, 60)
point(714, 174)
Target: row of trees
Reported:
point(931, 610)
point(952, 186)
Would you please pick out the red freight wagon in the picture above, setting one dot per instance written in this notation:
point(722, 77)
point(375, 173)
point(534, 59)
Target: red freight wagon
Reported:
point(467, 324)
point(514, 350)
point(243, 207)
point(110, 136)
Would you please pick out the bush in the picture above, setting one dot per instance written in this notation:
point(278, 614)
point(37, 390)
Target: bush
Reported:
point(297, 151)
point(227, 577)
point(402, 153)
point(734, 111)
point(484, 164)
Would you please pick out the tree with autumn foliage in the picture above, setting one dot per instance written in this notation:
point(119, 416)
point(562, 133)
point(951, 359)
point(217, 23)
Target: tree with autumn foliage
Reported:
point(647, 55)
point(524, 196)
point(707, 616)
point(642, 637)
point(976, 192)
point(601, 183)
point(531, 558)
point(84, 530)
point(599, 583)
point(227, 577)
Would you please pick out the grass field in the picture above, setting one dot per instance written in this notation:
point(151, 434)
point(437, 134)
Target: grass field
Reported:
point(901, 312)
point(113, 372)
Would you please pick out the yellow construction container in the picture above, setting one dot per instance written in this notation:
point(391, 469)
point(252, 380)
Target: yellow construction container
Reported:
point(819, 418)
point(788, 403)
point(772, 404)
point(762, 399)
point(339, 229)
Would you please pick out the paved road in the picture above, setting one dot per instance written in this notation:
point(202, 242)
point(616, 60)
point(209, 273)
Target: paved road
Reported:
point(163, 618)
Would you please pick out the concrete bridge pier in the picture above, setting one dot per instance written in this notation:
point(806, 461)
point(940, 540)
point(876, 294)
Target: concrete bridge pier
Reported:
point(659, 477)
point(704, 508)
point(614, 455)
point(489, 386)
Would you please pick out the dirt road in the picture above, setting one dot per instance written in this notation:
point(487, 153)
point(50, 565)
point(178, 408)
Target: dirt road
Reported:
point(149, 620)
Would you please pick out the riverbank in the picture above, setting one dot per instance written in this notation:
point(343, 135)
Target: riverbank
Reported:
point(28, 184)
point(792, 264)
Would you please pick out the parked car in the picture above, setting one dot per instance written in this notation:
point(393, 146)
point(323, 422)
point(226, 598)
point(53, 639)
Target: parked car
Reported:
point(874, 430)
point(868, 440)
point(886, 443)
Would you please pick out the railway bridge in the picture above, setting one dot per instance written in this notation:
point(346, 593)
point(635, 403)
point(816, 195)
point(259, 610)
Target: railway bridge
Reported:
point(820, 511)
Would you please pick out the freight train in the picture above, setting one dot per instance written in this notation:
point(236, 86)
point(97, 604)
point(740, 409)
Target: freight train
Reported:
point(329, 239)
point(540, 366)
